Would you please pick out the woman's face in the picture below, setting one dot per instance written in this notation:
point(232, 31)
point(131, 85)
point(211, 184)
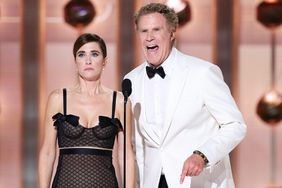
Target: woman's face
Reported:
point(90, 61)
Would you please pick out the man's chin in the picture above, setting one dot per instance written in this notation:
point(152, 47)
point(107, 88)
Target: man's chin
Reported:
point(154, 63)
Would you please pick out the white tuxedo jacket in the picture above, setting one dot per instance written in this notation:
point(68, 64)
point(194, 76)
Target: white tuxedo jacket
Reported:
point(201, 115)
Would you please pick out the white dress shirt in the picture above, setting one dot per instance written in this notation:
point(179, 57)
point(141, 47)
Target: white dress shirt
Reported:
point(156, 98)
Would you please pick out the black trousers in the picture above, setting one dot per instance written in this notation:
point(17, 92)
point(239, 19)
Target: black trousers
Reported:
point(162, 183)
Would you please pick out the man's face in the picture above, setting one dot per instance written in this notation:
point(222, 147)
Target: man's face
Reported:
point(156, 38)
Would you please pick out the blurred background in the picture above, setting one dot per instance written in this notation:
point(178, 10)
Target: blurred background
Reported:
point(36, 40)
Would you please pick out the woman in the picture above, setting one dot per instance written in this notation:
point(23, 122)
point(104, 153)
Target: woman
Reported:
point(86, 120)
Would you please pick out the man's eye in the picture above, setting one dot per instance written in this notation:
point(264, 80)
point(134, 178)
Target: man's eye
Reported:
point(143, 31)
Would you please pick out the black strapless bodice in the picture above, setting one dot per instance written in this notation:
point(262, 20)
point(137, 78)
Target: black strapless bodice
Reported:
point(73, 134)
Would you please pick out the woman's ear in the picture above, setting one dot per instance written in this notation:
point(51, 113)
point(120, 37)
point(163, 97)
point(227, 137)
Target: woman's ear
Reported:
point(105, 62)
point(172, 35)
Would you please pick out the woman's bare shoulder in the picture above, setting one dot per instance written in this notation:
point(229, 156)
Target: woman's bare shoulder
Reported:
point(55, 94)
point(120, 97)
point(55, 97)
point(120, 100)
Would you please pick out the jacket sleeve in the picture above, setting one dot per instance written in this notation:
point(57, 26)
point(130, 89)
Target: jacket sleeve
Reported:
point(138, 140)
point(221, 105)
point(139, 151)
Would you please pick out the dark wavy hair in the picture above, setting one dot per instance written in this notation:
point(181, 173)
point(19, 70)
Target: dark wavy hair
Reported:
point(86, 38)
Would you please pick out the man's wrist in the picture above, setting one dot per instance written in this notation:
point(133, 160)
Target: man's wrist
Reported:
point(197, 152)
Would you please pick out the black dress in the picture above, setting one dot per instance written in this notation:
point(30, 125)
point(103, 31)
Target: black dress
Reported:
point(81, 167)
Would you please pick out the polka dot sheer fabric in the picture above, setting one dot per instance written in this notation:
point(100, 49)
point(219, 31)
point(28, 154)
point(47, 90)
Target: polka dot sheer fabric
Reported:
point(79, 167)
point(85, 171)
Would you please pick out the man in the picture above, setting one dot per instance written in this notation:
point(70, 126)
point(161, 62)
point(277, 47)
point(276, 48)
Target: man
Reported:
point(186, 121)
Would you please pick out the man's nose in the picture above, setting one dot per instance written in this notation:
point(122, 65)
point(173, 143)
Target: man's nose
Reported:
point(149, 36)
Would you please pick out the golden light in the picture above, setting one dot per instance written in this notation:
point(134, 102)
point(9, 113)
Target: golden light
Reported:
point(269, 108)
point(269, 13)
point(182, 9)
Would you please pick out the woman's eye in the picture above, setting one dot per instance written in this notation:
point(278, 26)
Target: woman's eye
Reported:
point(80, 55)
point(95, 54)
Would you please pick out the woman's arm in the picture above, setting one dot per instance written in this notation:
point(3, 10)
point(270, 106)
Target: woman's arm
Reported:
point(130, 158)
point(48, 149)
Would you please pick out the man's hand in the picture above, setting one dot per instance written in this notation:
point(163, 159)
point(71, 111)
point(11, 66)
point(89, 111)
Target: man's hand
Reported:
point(192, 166)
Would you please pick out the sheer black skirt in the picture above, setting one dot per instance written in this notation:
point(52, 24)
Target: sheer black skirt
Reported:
point(85, 171)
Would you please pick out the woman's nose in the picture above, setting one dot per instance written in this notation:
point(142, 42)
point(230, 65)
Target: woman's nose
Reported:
point(88, 60)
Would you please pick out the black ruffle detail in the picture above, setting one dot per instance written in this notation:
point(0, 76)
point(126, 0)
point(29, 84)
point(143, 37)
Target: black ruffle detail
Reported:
point(60, 118)
point(118, 124)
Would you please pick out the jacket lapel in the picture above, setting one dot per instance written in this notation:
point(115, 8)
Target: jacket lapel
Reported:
point(179, 78)
point(140, 90)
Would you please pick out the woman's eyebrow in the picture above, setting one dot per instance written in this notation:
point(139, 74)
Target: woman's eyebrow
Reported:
point(95, 51)
point(81, 51)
